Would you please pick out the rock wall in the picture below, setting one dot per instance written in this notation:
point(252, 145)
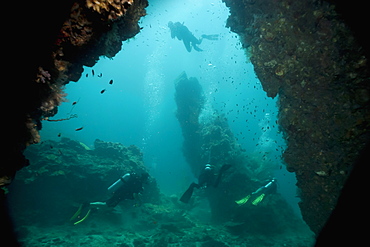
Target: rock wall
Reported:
point(304, 53)
point(75, 35)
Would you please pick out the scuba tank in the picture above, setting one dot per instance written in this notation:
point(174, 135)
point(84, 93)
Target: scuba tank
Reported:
point(270, 183)
point(270, 187)
point(120, 182)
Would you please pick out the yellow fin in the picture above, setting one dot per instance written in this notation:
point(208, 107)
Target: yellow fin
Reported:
point(258, 199)
point(84, 218)
point(77, 213)
point(84, 146)
point(243, 201)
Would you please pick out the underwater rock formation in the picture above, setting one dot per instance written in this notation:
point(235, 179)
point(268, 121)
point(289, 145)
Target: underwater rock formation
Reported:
point(84, 174)
point(66, 173)
point(190, 101)
point(305, 54)
point(80, 32)
point(212, 142)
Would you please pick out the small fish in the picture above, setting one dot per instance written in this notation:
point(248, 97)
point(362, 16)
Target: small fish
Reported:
point(60, 134)
point(87, 75)
point(78, 129)
point(111, 82)
point(92, 72)
point(74, 102)
point(100, 75)
point(102, 91)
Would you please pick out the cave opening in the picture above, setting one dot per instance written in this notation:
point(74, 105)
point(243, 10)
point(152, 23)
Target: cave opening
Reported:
point(130, 99)
point(138, 107)
point(124, 114)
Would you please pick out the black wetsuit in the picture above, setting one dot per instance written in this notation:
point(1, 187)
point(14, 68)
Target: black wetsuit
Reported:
point(206, 179)
point(127, 190)
point(182, 33)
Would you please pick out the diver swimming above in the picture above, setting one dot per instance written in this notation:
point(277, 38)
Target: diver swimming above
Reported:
point(182, 33)
point(206, 178)
point(124, 188)
point(257, 196)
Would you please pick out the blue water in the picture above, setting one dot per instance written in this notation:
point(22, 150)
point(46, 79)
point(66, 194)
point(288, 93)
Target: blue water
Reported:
point(139, 107)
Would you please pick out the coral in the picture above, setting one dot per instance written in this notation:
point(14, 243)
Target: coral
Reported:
point(54, 99)
point(43, 76)
point(114, 8)
point(77, 30)
point(34, 136)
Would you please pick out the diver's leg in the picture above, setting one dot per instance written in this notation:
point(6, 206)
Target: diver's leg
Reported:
point(187, 45)
point(196, 47)
point(113, 201)
point(220, 173)
point(194, 42)
point(195, 185)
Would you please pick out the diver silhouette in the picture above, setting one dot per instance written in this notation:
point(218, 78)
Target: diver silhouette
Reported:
point(182, 33)
point(207, 178)
point(126, 187)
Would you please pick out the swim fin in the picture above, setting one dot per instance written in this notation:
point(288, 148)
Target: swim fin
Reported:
point(243, 200)
point(185, 198)
point(84, 218)
point(77, 213)
point(222, 170)
point(258, 199)
point(197, 48)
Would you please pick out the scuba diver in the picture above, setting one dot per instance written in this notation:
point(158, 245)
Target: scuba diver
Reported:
point(257, 196)
point(127, 187)
point(182, 33)
point(206, 178)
